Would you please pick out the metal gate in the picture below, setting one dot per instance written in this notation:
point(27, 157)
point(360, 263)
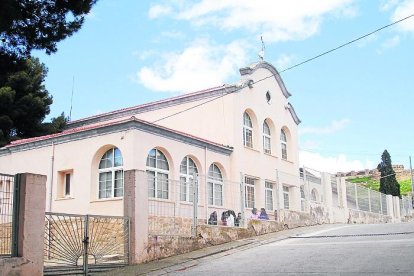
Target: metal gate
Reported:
point(8, 215)
point(83, 244)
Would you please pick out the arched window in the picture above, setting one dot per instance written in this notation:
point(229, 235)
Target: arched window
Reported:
point(283, 144)
point(302, 198)
point(157, 174)
point(188, 169)
point(314, 195)
point(215, 186)
point(247, 131)
point(111, 174)
point(267, 148)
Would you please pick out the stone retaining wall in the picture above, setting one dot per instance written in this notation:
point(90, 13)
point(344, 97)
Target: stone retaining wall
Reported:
point(363, 217)
point(162, 246)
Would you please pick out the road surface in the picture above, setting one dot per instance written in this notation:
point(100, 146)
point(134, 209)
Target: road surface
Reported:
point(375, 249)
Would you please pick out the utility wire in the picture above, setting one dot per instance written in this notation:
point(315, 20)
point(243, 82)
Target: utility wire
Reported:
point(294, 66)
point(361, 153)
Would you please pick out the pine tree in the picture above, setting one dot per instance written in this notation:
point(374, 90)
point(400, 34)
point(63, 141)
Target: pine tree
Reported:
point(388, 181)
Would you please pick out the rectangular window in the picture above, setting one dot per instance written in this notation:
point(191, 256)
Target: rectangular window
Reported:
point(286, 197)
point(119, 180)
point(157, 184)
point(266, 145)
point(68, 177)
point(183, 189)
point(269, 195)
point(151, 183)
point(210, 193)
point(284, 151)
point(215, 193)
point(249, 191)
point(186, 189)
point(105, 185)
point(248, 137)
point(162, 185)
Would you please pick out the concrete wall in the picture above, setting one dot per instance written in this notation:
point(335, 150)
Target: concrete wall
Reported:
point(31, 229)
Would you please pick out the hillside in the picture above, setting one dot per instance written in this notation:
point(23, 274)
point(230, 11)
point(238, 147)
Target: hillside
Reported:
point(367, 181)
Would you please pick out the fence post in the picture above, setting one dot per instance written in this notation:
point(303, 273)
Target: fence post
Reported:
point(369, 199)
point(327, 192)
point(31, 205)
point(356, 196)
point(195, 205)
point(85, 244)
point(136, 209)
point(242, 200)
point(380, 199)
point(307, 190)
point(390, 207)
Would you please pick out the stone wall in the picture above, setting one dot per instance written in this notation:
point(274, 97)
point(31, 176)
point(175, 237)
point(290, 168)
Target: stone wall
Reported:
point(367, 217)
point(318, 214)
point(162, 246)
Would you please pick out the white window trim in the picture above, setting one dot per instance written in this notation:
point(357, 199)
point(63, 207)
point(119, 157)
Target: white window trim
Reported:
point(214, 181)
point(247, 128)
point(157, 171)
point(189, 179)
point(246, 185)
point(288, 196)
point(271, 190)
point(70, 173)
point(112, 170)
point(267, 136)
point(283, 143)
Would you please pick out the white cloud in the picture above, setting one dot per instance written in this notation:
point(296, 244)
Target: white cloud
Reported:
point(198, 66)
point(392, 42)
point(173, 34)
point(277, 20)
point(404, 9)
point(284, 61)
point(334, 127)
point(387, 5)
point(158, 11)
point(339, 163)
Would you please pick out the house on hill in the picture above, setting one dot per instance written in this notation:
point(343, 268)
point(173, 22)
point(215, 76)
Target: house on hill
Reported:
point(246, 131)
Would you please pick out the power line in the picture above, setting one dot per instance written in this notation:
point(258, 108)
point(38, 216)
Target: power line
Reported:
point(361, 153)
point(292, 67)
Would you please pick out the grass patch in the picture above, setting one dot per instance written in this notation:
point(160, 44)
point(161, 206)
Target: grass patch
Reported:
point(405, 186)
point(368, 182)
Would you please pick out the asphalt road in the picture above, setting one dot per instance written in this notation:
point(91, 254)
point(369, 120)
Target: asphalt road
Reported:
point(375, 249)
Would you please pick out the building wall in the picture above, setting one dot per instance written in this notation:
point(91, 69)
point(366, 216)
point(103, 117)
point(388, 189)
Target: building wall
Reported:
point(220, 121)
point(82, 157)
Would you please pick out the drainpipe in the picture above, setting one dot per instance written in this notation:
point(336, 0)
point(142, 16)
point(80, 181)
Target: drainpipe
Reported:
point(52, 163)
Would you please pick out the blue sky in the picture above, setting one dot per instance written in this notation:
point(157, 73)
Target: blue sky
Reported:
point(353, 103)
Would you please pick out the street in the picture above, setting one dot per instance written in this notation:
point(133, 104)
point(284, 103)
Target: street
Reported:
point(376, 249)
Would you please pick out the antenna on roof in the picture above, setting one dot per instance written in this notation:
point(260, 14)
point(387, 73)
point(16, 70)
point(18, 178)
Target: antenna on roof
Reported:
point(262, 52)
point(71, 98)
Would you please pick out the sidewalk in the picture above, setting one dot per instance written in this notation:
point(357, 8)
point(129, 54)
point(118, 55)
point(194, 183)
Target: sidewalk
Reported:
point(183, 261)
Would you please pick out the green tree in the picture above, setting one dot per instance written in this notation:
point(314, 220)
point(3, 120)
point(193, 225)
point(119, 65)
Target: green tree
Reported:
point(388, 181)
point(24, 102)
point(39, 24)
point(27, 25)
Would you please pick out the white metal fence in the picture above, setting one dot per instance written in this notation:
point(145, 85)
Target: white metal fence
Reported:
point(176, 207)
point(364, 199)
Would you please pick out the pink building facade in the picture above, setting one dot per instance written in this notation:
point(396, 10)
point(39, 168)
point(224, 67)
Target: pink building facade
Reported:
point(245, 132)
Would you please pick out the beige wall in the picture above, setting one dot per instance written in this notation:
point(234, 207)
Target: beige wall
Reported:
point(220, 121)
point(82, 158)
